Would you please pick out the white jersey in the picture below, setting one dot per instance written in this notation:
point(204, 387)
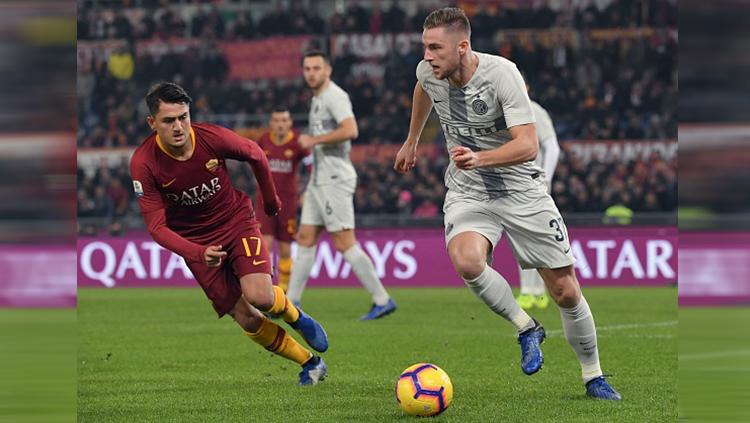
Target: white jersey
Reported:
point(331, 162)
point(549, 149)
point(478, 116)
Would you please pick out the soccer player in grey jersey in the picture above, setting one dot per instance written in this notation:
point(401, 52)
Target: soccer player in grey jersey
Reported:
point(329, 198)
point(533, 293)
point(494, 187)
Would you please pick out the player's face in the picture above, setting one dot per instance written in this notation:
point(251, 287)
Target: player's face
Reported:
point(281, 123)
point(316, 71)
point(441, 51)
point(172, 124)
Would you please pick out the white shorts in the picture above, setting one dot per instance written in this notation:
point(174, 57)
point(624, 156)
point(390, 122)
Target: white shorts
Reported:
point(330, 205)
point(536, 231)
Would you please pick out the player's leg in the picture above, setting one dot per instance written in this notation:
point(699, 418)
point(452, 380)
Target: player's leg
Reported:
point(533, 293)
point(539, 239)
point(268, 228)
point(311, 224)
point(307, 241)
point(579, 328)
point(469, 251)
point(275, 339)
point(285, 235)
point(268, 241)
point(261, 294)
point(285, 264)
point(222, 288)
point(525, 298)
point(346, 243)
point(541, 299)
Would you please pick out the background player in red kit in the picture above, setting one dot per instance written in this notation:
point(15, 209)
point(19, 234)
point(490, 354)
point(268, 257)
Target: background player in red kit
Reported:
point(284, 156)
point(190, 207)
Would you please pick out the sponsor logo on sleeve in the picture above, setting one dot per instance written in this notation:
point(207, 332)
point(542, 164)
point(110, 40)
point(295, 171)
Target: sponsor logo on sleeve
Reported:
point(138, 188)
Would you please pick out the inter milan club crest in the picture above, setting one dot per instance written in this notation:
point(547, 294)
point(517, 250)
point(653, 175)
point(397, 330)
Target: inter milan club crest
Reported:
point(479, 106)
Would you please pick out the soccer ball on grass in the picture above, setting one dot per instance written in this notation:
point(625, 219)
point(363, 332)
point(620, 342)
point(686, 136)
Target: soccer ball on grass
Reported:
point(424, 389)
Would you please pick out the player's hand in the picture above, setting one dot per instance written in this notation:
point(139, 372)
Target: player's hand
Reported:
point(272, 209)
point(464, 158)
point(306, 141)
point(406, 158)
point(213, 255)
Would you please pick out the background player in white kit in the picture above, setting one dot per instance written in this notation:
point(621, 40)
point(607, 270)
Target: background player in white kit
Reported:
point(494, 187)
point(329, 197)
point(533, 292)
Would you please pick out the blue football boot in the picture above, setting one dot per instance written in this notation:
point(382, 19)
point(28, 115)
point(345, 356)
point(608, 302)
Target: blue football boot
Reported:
point(311, 331)
point(599, 388)
point(377, 311)
point(313, 371)
point(531, 351)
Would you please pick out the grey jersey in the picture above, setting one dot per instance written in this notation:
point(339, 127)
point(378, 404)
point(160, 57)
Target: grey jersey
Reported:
point(331, 162)
point(545, 130)
point(478, 116)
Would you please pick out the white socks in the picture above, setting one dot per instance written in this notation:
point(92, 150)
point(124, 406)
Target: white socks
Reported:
point(580, 331)
point(531, 282)
point(303, 263)
point(493, 290)
point(365, 271)
point(361, 265)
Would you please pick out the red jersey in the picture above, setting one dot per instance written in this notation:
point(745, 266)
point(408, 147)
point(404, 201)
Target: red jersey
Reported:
point(190, 204)
point(284, 157)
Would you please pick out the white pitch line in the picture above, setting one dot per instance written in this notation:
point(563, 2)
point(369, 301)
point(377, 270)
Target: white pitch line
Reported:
point(714, 354)
point(621, 327)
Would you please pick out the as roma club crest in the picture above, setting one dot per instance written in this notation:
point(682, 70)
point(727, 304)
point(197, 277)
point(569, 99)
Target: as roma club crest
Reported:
point(212, 164)
point(288, 153)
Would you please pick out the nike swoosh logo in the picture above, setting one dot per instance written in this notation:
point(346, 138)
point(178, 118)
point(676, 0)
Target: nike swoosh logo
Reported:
point(257, 262)
point(168, 183)
point(566, 251)
point(438, 101)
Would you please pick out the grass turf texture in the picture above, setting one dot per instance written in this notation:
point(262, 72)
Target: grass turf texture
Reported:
point(37, 365)
point(714, 375)
point(160, 355)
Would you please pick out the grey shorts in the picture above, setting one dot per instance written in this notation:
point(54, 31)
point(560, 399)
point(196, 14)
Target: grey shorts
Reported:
point(331, 206)
point(536, 231)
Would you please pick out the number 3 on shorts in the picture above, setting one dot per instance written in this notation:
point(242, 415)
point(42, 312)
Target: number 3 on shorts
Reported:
point(248, 241)
point(559, 235)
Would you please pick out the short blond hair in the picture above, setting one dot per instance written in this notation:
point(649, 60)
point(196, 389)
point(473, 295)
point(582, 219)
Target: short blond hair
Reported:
point(452, 18)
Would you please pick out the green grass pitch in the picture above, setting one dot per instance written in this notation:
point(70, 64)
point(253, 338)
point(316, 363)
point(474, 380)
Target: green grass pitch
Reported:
point(161, 355)
point(714, 375)
point(37, 365)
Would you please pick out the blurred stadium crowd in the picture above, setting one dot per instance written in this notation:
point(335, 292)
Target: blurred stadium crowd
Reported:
point(606, 73)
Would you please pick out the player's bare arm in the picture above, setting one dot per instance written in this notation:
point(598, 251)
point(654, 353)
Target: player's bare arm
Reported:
point(346, 131)
point(406, 158)
point(522, 148)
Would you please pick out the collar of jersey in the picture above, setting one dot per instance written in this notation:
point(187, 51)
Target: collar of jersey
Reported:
point(162, 148)
point(289, 136)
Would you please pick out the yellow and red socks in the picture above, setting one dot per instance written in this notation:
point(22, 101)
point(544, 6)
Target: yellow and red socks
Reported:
point(275, 339)
point(283, 307)
point(285, 272)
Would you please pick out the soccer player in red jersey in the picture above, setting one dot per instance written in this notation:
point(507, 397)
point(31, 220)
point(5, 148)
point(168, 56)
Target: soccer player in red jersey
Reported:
point(190, 207)
point(284, 156)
